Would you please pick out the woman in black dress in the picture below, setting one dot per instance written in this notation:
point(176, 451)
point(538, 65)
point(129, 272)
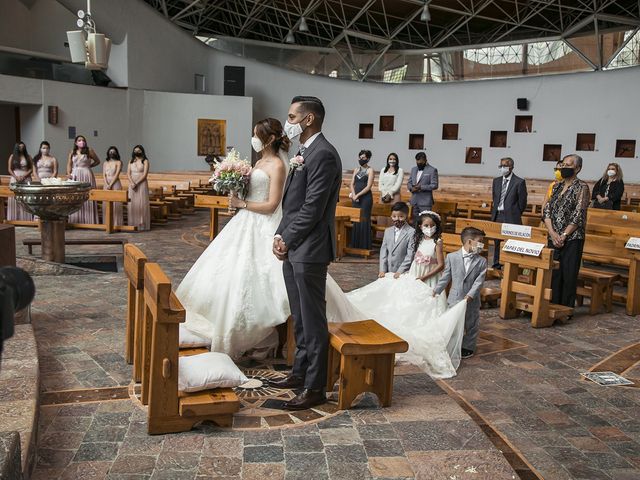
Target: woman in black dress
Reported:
point(361, 197)
point(608, 191)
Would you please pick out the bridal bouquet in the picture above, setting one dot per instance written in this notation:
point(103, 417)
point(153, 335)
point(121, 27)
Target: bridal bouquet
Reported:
point(231, 175)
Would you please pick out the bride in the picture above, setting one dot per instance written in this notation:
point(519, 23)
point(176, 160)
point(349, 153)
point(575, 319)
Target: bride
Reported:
point(234, 295)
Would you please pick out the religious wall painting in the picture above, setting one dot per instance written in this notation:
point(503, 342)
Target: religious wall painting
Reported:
point(473, 155)
point(212, 137)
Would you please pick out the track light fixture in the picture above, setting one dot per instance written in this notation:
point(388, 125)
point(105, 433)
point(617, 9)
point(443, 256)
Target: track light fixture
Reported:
point(426, 15)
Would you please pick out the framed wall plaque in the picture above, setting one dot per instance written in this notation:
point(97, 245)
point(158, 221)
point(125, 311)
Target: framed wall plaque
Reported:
point(212, 137)
point(474, 155)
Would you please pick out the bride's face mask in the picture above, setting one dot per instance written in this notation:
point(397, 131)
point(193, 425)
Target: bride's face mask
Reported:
point(257, 144)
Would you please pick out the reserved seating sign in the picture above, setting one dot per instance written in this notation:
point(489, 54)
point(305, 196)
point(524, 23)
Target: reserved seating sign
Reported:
point(524, 248)
point(633, 243)
point(511, 230)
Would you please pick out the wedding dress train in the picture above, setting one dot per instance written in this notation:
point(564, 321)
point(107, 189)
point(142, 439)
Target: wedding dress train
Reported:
point(235, 295)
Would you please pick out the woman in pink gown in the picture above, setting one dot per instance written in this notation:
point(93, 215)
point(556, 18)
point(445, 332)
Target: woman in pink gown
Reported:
point(45, 165)
point(139, 213)
point(111, 173)
point(79, 164)
point(20, 168)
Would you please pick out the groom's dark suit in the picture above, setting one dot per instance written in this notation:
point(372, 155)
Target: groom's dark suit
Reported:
point(308, 229)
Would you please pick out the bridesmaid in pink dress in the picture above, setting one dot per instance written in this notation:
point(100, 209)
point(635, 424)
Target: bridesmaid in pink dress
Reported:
point(45, 164)
point(20, 167)
point(111, 173)
point(79, 164)
point(139, 214)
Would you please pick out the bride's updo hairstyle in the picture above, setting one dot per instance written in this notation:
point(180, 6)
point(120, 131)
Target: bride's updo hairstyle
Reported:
point(269, 127)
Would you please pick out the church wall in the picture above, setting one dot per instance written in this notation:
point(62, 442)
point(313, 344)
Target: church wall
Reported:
point(164, 122)
point(604, 103)
point(159, 56)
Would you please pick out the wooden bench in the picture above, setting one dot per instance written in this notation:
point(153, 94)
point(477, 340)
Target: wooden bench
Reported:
point(214, 203)
point(535, 298)
point(361, 358)
point(172, 411)
point(32, 242)
point(134, 262)
point(345, 216)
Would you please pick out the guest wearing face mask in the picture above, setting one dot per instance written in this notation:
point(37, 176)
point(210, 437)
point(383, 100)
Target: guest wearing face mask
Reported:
point(466, 269)
point(565, 216)
point(607, 192)
point(390, 180)
point(80, 161)
point(396, 252)
point(45, 164)
point(362, 198)
point(139, 213)
point(423, 180)
point(20, 167)
point(111, 176)
point(558, 178)
point(509, 200)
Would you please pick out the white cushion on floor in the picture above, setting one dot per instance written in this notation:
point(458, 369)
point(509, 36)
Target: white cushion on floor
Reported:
point(208, 370)
point(188, 339)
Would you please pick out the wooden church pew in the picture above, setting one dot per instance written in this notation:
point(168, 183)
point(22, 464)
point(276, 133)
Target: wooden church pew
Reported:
point(170, 410)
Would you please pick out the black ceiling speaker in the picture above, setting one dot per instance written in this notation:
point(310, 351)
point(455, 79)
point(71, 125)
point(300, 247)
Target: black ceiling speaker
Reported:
point(234, 81)
point(523, 104)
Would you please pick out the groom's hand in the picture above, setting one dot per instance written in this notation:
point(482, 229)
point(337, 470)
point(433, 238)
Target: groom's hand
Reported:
point(279, 248)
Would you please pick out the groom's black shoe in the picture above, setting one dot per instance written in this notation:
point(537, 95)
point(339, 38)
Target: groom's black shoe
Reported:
point(307, 399)
point(290, 381)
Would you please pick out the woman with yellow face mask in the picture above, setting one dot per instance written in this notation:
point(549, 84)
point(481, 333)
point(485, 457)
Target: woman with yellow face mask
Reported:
point(558, 178)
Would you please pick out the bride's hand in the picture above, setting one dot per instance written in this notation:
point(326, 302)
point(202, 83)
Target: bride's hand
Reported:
point(235, 202)
point(396, 275)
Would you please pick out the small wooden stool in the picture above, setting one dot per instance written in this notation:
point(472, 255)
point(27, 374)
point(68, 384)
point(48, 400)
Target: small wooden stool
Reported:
point(362, 356)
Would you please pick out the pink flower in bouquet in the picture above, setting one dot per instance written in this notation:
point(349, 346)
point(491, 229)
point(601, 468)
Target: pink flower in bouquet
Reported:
point(245, 170)
point(296, 162)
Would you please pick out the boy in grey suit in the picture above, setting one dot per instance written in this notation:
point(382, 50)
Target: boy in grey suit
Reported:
point(465, 269)
point(396, 252)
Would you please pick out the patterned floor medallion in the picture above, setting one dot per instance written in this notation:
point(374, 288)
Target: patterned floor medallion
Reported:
point(261, 406)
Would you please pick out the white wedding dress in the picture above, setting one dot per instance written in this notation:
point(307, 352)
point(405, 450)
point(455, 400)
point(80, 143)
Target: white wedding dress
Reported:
point(235, 295)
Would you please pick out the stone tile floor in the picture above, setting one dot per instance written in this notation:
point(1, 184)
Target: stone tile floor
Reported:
point(532, 396)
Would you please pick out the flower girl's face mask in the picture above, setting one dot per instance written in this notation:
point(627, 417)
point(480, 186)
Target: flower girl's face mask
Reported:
point(429, 231)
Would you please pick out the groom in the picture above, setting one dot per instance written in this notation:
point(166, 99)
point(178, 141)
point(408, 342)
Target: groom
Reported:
point(305, 242)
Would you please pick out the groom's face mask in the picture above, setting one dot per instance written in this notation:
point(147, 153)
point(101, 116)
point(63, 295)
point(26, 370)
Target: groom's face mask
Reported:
point(293, 130)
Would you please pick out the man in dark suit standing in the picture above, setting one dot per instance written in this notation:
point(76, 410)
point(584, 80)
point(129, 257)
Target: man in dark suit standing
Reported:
point(509, 200)
point(423, 180)
point(305, 242)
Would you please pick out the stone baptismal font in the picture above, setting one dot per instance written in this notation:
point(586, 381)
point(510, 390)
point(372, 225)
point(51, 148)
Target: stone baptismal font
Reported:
point(52, 201)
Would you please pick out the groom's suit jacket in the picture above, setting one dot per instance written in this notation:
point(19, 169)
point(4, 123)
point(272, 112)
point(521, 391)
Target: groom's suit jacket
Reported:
point(309, 205)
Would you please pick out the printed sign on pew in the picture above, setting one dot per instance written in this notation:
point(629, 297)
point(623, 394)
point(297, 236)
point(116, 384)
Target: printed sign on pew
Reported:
point(511, 230)
point(633, 243)
point(524, 248)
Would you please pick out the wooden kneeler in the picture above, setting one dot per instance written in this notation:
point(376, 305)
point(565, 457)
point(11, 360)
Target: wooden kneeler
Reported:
point(134, 262)
point(362, 357)
point(535, 298)
point(171, 411)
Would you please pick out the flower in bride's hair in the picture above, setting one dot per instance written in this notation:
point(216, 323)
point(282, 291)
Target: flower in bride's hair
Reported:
point(296, 162)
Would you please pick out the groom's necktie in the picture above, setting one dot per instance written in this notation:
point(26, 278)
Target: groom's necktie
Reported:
point(301, 150)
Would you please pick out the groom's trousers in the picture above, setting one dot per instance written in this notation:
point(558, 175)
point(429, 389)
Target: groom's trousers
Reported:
point(306, 287)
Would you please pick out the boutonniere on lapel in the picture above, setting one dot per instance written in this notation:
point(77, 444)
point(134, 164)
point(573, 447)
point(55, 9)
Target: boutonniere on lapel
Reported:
point(296, 163)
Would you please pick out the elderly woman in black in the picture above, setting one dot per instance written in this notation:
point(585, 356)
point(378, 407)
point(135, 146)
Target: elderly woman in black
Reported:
point(565, 216)
point(608, 191)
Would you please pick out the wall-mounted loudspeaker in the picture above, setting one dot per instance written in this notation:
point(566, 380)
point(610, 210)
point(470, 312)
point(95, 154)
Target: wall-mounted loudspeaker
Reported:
point(523, 104)
point(234, 81)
